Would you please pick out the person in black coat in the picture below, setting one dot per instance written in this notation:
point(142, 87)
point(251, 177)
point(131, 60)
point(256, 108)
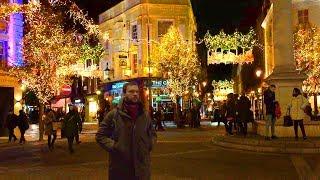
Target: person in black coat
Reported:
point(11, 124)
point(230, 113)
point(23, 125)
point(244, 113)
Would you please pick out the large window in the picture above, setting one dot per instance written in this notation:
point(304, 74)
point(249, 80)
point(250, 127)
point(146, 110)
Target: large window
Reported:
point(303, 16)
point(134, 32)
point(163, 27)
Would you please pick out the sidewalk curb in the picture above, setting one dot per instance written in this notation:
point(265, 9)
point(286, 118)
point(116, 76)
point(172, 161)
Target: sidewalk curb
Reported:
point(36, 142)
point(259, 146)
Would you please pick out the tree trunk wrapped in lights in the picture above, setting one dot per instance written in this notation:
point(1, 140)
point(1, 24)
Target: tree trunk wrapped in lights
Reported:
point(176, 57)
point(307, 56)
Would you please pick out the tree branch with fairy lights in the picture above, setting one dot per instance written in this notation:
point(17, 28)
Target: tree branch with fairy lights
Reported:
point(50, 52)
point(176, 57)
point(307, 55)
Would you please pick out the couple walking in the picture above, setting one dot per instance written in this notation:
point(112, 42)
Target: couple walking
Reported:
point(296, 109)
point(13, 121)
point(70, 127)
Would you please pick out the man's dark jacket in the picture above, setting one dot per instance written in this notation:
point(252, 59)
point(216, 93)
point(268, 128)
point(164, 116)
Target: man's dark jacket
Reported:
point(269, 101)
point(129, 143)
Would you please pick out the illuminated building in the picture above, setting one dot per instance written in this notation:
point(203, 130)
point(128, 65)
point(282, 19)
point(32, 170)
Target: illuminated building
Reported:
point(281, 20)
point(11, 32)
point(130, 28)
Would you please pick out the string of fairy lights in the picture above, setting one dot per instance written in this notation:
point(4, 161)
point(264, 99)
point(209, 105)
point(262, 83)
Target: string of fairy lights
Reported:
point(307, 56)
point(51, 54)
point(176, 57)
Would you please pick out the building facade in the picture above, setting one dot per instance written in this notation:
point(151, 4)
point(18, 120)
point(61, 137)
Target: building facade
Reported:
point(281, 20)
point(130, 29)
point(11, 32)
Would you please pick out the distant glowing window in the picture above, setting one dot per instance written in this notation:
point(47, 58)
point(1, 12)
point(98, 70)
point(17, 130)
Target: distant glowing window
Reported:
point(135, 63)
point(134, 32)
point(303, 16)
point(3, 53)
point(163, 27)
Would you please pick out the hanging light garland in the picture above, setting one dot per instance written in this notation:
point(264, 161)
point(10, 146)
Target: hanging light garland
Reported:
point(230, 49)
point(222, 89)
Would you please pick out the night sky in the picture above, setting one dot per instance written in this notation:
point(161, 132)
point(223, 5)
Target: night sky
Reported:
point(212, 15)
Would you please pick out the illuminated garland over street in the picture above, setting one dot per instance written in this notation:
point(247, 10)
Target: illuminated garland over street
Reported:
point(222, 89)
point(230, 49)
point(176, 57)
point(307, 56)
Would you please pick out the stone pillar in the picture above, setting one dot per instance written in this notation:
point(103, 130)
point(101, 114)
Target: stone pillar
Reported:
point(284, 74)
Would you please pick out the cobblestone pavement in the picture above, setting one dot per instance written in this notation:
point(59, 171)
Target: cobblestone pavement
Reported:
point(179, 154)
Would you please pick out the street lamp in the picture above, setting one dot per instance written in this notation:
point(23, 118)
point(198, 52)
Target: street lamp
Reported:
point(204, 83)
point(258, 73)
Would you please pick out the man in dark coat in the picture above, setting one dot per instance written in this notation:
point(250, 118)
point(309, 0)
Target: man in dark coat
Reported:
point(70, 126)
point(128, 135)
point(23, 125)
point(11, 124)
point(270, 110)
point(243, 108)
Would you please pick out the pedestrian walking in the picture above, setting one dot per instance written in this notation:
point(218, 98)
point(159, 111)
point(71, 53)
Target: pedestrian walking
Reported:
point(128, 135)
point(49, 118)
point(70, 126)
point(11, 123)
point(23, 125)
point(244, 113)
point(159, 118)
point(230, 113)
point(269, 101)
point(195, 117)
point(297, 111)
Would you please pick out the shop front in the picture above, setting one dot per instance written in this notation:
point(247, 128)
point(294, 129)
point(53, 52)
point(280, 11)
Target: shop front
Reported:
point(113, 92)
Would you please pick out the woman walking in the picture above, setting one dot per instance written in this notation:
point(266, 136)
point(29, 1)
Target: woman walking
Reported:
point(49, 131)
point(296, 109)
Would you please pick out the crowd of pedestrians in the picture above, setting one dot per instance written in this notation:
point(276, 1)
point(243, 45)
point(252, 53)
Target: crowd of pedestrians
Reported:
point(70, 125)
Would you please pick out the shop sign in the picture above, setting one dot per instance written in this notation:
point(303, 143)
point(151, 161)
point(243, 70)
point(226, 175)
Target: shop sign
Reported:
point(162, 83)
point(118, 85)
point(66, 90)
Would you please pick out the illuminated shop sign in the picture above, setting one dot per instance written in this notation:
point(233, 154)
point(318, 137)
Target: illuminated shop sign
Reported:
point(118, 85)
point(159, 83)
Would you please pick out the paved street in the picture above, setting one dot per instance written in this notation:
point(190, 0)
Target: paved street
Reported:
point(179, 154)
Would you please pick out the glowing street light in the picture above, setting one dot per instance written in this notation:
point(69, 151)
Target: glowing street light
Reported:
point(258, 73)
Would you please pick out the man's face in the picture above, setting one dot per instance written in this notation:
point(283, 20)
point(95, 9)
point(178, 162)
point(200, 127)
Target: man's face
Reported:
point(132, 93)
point(273, 89)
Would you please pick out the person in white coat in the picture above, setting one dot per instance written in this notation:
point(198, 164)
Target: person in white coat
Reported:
point(296, 109)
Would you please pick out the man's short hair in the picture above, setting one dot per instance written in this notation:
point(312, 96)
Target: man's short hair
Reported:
point(132, 83)
point(273, 86)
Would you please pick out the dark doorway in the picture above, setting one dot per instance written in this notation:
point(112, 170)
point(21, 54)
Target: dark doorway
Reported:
point(6, 102)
